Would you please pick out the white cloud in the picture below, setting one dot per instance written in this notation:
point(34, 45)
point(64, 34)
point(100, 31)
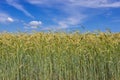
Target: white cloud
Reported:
point(33, 24)
point(9, 19)
point(5, 18)
point(15, 4)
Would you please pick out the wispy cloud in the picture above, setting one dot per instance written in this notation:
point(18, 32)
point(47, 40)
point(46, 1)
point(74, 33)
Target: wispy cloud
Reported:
point(113, 5)
point(76, 10)
point(96, 3)
point(74, 16)
point(5, 18)
point(18, 6)
point(73, 20)
point(80, 3)
point(66, 23)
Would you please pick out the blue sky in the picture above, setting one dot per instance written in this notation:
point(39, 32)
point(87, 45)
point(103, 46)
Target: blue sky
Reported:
point(55, 15)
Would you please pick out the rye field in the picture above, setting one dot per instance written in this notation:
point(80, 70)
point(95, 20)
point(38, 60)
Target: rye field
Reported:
point(60, 56)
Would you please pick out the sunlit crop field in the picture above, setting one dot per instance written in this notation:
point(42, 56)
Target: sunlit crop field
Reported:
point(60, 56)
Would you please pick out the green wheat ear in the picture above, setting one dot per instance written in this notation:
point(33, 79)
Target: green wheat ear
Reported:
point(59, 56)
